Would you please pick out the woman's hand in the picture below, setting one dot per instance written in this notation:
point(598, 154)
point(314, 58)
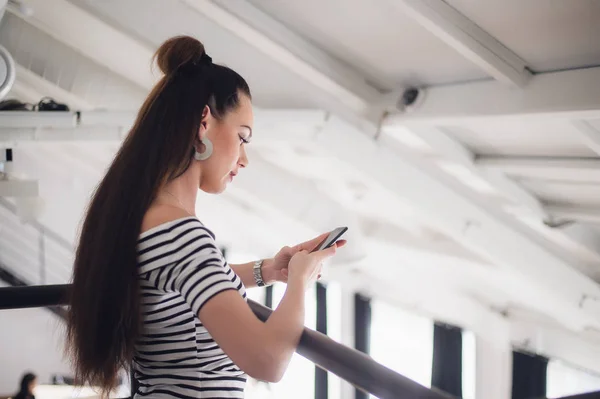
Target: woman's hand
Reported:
point(305, 267)
point(276, 269)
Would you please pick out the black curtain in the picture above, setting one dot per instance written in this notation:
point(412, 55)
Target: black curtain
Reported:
point(362, 330)
point(529, 376)
point(447, 359)
point(321, 382)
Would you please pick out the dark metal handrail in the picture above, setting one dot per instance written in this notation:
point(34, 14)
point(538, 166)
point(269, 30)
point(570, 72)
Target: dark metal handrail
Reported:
point(349, 364)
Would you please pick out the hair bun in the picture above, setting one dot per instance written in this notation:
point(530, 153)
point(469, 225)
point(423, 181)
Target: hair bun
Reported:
point(179, 51)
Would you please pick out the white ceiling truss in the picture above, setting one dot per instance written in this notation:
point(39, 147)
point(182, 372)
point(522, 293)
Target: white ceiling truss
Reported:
point(468, 39)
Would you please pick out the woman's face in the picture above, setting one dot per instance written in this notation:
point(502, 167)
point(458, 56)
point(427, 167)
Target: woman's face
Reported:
point(32, 385)
point(229, 136)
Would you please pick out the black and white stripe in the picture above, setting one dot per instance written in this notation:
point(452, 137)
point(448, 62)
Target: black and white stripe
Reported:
point(180, 270)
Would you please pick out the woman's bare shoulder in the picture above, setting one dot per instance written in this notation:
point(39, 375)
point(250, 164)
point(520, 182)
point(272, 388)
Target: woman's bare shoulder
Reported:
point(161, 214)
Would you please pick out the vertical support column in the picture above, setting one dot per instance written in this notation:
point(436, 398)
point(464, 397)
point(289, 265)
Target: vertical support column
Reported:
point(493, 361)
point(321, 382)
point(362, 331)
point(347, 334)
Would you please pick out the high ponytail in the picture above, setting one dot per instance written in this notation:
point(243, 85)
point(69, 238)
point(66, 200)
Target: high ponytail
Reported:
point(104, 318)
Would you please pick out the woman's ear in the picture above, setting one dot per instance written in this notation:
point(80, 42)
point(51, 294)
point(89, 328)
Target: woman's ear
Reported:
point(204, 122)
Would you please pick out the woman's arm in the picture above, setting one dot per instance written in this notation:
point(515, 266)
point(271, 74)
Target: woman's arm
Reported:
point(263, 350)
point(275, 269)
point(245, 272)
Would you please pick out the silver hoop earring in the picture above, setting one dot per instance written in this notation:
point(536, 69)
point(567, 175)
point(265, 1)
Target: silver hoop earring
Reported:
point(208, 150)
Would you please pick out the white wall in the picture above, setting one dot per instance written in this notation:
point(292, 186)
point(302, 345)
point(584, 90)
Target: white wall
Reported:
point(30, 340)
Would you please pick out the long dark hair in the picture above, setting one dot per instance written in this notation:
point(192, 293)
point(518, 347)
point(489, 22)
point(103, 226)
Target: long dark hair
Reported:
point(104, 316)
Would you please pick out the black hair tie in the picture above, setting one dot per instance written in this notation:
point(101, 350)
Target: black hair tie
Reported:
point(205, 59)
point(190, 68)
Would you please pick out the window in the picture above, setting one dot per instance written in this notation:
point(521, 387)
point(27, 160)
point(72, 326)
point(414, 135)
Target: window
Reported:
point(565, 380)
point(402, 341)
point(299, 379)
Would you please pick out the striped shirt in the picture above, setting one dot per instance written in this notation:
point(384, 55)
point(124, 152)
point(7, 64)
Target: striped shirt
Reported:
point(181, 269)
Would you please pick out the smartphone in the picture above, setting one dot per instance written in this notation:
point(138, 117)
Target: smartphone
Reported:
point(331, 239)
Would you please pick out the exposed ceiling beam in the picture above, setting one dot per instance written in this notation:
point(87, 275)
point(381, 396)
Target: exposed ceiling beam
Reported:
point(582, 351)
point(24, 92)
point(29, 82)
point(589, 134)
point(49, 233)
point(312, 208)
point(567, 170)
point(94, 38)
point(352, 95)
point(471, 220)
point(577, 243)
point(457, 159)
point(570, 212)
point(270, 125)
point(318, 212)
point(569, 95)
point(461, 215)
point(467, 38)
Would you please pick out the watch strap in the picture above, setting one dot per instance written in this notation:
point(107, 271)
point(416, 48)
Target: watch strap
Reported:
point(257, 272)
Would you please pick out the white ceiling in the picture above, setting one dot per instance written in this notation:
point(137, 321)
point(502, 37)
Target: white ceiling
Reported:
point(477, 207)
point(549, 35)
point(386, 45)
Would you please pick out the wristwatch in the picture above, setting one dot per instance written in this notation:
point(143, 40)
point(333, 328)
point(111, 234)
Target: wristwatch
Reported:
point(257, 271)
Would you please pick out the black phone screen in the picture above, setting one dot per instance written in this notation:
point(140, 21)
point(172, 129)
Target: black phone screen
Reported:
point(330, 239)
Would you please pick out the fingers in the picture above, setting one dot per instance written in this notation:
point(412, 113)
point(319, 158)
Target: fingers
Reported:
point(325, 253)
point(340, 243)
point(311, 244)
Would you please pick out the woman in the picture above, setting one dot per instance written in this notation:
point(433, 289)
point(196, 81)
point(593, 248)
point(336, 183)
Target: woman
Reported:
point(150, 286)
point(28, 383)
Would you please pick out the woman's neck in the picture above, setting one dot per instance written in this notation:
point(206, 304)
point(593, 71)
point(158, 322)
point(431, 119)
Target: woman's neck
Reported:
point(180, 192)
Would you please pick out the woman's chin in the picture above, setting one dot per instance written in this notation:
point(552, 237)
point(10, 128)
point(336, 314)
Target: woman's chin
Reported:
point(214, 188)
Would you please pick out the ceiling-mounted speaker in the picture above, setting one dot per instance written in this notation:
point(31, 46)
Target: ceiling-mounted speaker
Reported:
point(7, 72)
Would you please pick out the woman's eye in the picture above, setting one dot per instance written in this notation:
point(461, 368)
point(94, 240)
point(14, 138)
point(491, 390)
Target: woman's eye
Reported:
point(243, 140)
